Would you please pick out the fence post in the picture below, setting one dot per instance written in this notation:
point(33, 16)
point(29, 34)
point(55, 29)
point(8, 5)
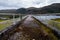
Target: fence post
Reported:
point(13, 18)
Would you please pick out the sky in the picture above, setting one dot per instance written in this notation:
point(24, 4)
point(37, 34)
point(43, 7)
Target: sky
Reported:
point(15, 4)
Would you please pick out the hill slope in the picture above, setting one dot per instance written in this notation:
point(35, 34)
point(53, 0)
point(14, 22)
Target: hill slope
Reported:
point(53, 8)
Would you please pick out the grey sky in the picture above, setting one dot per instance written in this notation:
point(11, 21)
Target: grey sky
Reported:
point(9, 4)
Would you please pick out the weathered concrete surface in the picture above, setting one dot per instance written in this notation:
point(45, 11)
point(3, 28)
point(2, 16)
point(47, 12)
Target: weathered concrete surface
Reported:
point(30, 30)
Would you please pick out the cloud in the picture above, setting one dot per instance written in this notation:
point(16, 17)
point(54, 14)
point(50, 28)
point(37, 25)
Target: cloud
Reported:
point(5, 4)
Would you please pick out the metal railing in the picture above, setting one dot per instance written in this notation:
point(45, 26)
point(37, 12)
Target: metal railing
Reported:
point(47, 20)
point(54, 25)
point(8, 23)
point(5, 34)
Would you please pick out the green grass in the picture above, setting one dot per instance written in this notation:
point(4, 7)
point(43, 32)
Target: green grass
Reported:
point(2, 26)
point(58, 19)
point(54, 24)
point(57, 23)
point(5, 25)
point(48, 31)
point(1, 20)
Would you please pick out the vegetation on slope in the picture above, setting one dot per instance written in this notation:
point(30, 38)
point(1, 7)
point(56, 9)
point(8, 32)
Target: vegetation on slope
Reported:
point(48, 31)
point(58, 19)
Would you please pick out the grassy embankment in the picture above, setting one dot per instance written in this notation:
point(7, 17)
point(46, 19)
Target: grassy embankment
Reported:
point(5, 24)
point(48, 31)
point(55, 23)
point(58, 19)
point(2, 20)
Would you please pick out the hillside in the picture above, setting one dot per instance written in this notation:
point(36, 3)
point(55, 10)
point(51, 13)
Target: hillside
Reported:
point(8, 11)
point(53, 8)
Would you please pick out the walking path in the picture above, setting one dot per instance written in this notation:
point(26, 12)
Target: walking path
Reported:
point(31, 29)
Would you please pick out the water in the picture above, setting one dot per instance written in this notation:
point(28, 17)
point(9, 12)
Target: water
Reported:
point(46, 17)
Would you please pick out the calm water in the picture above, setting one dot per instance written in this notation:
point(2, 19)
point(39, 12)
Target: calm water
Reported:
point(47, 17)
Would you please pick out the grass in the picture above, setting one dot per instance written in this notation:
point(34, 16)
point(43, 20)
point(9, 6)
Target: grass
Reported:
point(5, 25)
point(2, 20)
point(2, 26)
point(48, 31)
point(56, 23)
point(58, 19)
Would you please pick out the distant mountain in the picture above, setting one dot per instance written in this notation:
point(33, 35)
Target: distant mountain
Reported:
point(8, 11)
point(30, 8)
point(53, 8)
point(21, 10)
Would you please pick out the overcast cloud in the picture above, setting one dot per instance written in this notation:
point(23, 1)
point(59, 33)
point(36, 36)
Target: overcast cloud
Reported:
point(12, 4)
